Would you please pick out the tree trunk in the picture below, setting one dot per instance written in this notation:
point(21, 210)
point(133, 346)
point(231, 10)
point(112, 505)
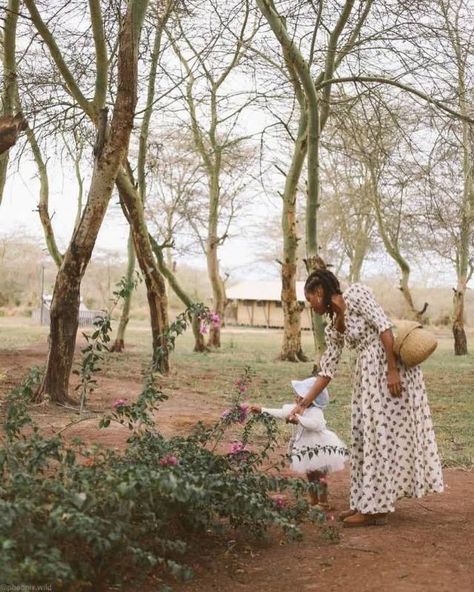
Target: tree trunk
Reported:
point(393, 250)
point(291, 348)
point(43, 204)
point(199, 345)
point(119, 343)
point(356, 267)
point(466, 222)
point(66, 295)
point(416, 315)
point(459, 333)
point(218, 295)
point(154, 282)
point(312, 264)
point(133, 201)
point(8, 129)
point(64, 315)
point(359, 252)
point(217, 284)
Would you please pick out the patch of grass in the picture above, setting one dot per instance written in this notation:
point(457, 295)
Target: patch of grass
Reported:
point(17, 333)
point(449, 378)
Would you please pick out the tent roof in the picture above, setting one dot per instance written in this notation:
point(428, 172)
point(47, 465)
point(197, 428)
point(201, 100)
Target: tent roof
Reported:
point(267, 291)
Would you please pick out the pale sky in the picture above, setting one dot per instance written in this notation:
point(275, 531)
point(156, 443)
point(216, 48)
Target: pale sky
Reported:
point(18, 215)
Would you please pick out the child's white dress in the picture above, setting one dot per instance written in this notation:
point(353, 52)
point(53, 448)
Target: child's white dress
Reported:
point(308, 452)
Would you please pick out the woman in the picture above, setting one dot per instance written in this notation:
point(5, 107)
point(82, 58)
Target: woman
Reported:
point(394, 452)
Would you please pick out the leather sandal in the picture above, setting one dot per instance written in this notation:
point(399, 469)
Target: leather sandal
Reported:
point(359, 519)
point(343, 515)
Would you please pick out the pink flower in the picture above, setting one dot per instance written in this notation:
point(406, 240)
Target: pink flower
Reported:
point(243, 412)
point(323, 480)
point(237, 448)
point(120, 403)
point(279, 501)
point(215, 319)
point(240, 385)
point(238, 413)
point(203, 328)
point(168, 461)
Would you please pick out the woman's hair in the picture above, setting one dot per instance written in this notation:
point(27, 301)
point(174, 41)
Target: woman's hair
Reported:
point(327, 281)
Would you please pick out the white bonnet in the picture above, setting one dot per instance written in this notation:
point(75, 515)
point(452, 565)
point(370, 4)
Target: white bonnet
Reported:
point(302, 387)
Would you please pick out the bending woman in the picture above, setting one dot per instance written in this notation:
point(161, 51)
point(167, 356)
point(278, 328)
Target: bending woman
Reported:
point(393, 452)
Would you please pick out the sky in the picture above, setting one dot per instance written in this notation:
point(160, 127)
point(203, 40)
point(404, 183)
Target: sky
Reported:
point(18, 215)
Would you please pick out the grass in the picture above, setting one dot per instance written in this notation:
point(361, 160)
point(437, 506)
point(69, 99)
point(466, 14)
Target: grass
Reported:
point(449, 378)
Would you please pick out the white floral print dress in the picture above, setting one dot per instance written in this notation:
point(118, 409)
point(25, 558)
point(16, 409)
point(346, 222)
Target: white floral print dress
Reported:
point(393, 450)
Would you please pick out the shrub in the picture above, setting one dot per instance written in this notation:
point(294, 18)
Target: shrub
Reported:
point(70, 514)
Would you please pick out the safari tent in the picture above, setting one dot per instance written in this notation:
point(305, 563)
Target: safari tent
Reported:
point(258, 304)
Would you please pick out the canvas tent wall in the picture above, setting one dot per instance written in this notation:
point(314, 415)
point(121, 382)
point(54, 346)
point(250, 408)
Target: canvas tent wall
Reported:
point(258, 304)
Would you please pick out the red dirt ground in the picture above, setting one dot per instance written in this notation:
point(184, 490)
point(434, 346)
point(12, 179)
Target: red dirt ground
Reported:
point(427, 545)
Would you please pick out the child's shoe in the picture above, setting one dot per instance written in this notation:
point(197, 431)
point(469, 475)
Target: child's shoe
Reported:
point(313, 498)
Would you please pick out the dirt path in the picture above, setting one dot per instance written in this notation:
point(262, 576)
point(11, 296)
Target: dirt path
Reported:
point(428, 544)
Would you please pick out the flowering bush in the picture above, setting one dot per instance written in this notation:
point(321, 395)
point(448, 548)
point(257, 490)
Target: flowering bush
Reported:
point(71, 515)
point(209, 319)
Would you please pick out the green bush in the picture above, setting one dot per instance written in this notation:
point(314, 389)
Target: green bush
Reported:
point(70, 514)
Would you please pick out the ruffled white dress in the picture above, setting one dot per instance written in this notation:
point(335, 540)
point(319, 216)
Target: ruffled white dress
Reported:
point(393, 451)
point(313, 447)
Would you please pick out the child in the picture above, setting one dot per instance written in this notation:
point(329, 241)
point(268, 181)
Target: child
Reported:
point(311, 435)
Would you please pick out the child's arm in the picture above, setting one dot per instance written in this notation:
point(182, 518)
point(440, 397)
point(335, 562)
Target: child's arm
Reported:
point(281, 413)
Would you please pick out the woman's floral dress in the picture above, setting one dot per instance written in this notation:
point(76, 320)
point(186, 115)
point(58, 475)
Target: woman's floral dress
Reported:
point(394, 452)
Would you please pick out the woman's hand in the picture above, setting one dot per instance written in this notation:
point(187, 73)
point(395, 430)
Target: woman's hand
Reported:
point(393, 382)
point(255, 409)
point(297, 410)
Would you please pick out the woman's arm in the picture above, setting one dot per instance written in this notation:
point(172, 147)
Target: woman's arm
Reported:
point(320, 383)
point(366, 305)
point(393, 376)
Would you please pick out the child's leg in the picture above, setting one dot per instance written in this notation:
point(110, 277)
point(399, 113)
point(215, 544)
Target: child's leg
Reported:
point(318, 493)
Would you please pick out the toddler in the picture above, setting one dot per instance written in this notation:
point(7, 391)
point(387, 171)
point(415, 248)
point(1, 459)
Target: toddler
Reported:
point(315, 451)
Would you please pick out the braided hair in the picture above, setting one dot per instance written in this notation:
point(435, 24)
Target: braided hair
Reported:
point(327, 281)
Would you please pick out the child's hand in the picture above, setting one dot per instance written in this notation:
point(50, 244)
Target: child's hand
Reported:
point(255, 409)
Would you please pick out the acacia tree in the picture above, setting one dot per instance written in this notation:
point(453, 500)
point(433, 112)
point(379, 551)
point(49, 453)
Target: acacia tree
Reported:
point(314, 113)
point(208, 59)
point(347, 214)
point(133, 197)
point(111, 149)
point(177, 182)
point(130, 197)
point(345, 42)
point(459, 46)
point(379, 138)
